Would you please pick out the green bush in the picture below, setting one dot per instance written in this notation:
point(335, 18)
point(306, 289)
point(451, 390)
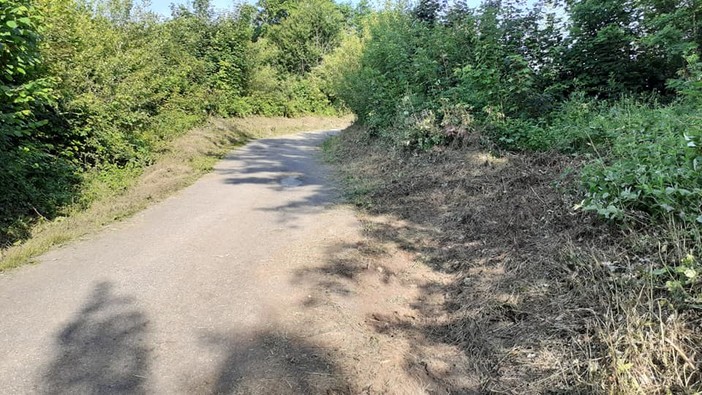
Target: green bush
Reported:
point(96, 87)
point(37, 168)
point(529, 87)
point(644, 158)
point(651, 165)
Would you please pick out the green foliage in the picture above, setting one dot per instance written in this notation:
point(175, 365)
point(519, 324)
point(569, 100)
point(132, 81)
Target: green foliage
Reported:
point(310, 30)
point(601, 59)
point(89, 90)
point(652, 163)
point(35, 176)
point(689, 83)
point(374, 90)
point(544, 79)
point(471, 58)
point(336, 66)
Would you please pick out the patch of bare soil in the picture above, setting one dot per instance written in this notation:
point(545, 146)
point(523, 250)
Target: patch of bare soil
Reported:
point(359, 309)
point(522, 284)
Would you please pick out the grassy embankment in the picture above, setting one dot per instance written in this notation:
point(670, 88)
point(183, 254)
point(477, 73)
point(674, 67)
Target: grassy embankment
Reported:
point(178, 164)
point(546, 299)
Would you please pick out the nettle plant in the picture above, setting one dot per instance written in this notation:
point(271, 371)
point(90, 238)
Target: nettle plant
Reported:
point(652, 166)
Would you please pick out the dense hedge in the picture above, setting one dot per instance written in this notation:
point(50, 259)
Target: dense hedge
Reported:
point(98, 86)
point(618, 82)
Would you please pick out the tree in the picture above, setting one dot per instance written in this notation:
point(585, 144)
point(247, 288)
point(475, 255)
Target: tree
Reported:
point(311, 30)
point(672, 31)
point(603, 55)
point(270, 13)
point(428, 10)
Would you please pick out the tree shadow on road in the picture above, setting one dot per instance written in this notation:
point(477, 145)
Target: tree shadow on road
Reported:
point(285, 165)
point(103, 349)
point(274, 363)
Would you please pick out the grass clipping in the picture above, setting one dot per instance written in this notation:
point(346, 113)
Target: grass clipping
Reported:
point(179, 164)
point(545, 299)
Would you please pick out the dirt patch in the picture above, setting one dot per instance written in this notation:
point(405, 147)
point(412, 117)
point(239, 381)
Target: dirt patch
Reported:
point(361, 302)
point(533, 301)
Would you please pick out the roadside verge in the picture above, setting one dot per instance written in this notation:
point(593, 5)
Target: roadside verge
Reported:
point(543, 298)
point(178, 165)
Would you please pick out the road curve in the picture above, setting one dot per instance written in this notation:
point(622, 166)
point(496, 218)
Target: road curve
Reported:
point(196, 294)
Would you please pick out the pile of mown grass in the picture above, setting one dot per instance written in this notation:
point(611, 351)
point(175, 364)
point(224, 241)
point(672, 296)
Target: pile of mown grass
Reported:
point(546, 299)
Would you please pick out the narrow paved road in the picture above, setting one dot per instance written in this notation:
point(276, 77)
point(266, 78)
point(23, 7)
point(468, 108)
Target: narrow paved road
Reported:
point(201, 293)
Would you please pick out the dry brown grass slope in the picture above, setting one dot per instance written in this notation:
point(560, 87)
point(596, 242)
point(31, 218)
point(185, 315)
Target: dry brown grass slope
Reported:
point(544, 299)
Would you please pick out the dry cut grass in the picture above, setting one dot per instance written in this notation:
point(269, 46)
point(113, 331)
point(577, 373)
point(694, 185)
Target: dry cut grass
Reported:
point(545, 299)
point(178, 165)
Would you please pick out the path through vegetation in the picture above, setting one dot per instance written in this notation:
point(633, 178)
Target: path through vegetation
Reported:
point(250, 281)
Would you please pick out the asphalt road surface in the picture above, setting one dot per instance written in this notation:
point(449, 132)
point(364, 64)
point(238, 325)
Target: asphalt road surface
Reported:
point(200, 293)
